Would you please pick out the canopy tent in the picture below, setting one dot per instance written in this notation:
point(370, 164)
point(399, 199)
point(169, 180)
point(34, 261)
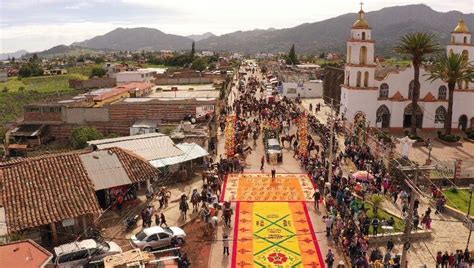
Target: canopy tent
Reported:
point(191, 151)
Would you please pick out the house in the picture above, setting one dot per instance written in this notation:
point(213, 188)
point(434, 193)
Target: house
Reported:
point(54, 198)
point(140, 75)
point(24, 254)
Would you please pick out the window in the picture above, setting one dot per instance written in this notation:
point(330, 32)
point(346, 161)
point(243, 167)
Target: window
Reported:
point(163, 235)
point(440, 115)
point(384, 90)
point(452, 39)
point(359, 77)
point(153, 237)
point(33, 109)
point(465, 40)
point(366, 79)
point(349, 55)
point(411, 90)
point(363, 35)
point(363, 55)
point(51, 109)
point(442, 93)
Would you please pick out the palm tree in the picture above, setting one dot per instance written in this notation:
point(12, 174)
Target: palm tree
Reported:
point(451, 69)
point(417, 45)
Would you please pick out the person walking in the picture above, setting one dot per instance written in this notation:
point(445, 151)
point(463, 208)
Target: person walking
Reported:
point(375, 225)
point(225, 243)
point(329, 259)
point(262, 162)
point(157, 219)
point(163, 220)
point(317, 197)
point(273, 173)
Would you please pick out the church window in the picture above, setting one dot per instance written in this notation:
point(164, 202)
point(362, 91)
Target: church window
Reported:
point(465, 40)
point(359, 77)
point(440, 115)
point(349, 55)
point(363, 55)
point(363, 35)
point(442, 93)
point(366, 79)
point(452, 39)
point(384, 90)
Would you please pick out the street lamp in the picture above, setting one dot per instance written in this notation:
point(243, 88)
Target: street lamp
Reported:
point(430, 147)
point(468, 217)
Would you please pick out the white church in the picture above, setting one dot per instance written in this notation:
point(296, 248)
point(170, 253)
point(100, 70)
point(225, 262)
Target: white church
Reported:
point(383, 95)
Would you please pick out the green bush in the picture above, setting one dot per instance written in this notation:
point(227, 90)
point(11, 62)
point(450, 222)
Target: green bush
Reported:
point(449, 138)
point(454, 190)
point(81, 135)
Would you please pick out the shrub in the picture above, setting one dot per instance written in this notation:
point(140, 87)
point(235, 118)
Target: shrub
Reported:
point(21, 88)
point(449, 138)
point(454, 190)
point(5, 90)
point(81, 135)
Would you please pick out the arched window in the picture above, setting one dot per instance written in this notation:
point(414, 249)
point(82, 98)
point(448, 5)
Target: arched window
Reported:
point(411, 89)
point(359, 77)
point(452, 39)
point(465, 53)
point(465, 40)
point(366, 79)
point(363, 36)
point(383, 116)
point(440, 115)
point(384, 90)
point(363, 55)
point(442, 93)
point(349, 55)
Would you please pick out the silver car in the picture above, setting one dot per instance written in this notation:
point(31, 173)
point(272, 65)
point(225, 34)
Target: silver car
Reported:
point(80, 253)
point(156, 237)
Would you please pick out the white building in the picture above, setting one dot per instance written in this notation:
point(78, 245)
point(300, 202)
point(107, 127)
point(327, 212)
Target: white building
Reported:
point(383, 96)
point(140, 75)
point(308, 89)
point(3, 76)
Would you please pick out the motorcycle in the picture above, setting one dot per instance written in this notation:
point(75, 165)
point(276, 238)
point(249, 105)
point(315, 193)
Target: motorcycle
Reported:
point(130, 222)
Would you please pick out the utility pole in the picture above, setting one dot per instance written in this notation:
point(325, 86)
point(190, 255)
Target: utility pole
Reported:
point(409, 221)
point(331, 142)
point(468, 216)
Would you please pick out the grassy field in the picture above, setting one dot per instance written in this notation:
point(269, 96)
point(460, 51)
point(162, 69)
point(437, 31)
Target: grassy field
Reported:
point(83, 70)
point(382, 214)
point(459, 200)
point(42, 84)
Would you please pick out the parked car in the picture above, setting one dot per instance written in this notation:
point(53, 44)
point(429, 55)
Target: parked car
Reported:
point(80, 253)
point(273, 147)
point(156, 237)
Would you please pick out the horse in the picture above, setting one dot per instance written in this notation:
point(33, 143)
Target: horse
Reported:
point(289, 139)
point(195, 199)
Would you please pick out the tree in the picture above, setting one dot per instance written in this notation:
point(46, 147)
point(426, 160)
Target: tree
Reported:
point(25, 71)
point(376, 201)
point(451, 69)
point(292, 58)
point(199, 64)
point(97, 72)
point(81, 135)
point(191, 55)
point(418, 45)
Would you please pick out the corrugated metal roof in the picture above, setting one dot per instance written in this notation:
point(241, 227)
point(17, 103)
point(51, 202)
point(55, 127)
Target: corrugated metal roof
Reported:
point(105, 169)
point(191, 151)
point(150, 146)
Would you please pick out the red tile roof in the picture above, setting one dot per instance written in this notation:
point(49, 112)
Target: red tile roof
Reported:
point(24, 254)
point(39, 191)
point(137, 168)
point(46, 189)
point(118, 90)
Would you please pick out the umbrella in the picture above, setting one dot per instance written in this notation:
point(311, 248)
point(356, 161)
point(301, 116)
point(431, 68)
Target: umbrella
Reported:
point(362, 175)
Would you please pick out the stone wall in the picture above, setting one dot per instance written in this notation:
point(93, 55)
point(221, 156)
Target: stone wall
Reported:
point(92, 83)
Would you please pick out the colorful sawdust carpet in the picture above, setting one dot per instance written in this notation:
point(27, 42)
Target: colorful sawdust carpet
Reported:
point(261, 187)
point(274, 234)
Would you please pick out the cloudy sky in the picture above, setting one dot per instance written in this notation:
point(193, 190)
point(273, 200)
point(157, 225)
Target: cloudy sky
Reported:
point(36, 25)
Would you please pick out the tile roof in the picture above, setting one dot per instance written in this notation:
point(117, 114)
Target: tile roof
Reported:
point(397, 97)
point(137, 168)
point(39, 191)
point(24, 254)
point(429, 98)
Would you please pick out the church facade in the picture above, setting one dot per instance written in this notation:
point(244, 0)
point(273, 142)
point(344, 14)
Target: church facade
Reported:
point(383, 95)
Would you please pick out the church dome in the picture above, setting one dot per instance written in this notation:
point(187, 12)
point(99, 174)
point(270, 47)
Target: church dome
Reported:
point(461, 27)
point(361, 22)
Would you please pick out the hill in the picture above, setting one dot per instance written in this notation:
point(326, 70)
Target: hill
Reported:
point(330, 35)
point(16, 54)
point(62, 50)
point(136, 39)
point(199, 37)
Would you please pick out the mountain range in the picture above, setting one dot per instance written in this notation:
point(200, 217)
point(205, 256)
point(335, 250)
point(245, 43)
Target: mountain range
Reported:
point(330, 35)
point(16, 54)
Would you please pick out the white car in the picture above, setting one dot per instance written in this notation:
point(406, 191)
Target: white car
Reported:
point(156, 237)
point(80, 253)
